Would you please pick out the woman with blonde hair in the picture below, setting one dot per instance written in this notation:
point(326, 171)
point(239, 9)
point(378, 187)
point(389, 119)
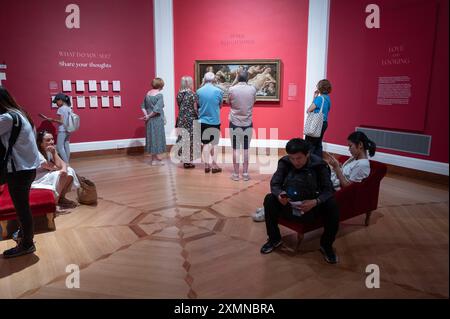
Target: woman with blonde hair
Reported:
point(152, 107)
point(187, 115)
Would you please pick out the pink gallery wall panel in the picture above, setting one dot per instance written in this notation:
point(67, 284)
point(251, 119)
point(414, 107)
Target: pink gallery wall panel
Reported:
point(251, 29)
point(114, 42)
point(387, 78)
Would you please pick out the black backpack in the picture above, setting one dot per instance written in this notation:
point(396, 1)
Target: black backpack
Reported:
point(6, 153)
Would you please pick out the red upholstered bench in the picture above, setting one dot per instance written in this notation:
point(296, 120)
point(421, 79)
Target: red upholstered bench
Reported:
point(353, 200)
point(42, 202)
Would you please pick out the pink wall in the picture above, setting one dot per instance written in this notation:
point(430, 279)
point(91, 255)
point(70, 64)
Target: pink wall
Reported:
point(354, 66)
point(250, 29)
point(34, 32)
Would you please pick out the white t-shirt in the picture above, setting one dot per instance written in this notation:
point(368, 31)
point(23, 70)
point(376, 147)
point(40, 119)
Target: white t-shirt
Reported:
point(353, 170)
point(356, 170)
point(64, 111)
point(25, 154)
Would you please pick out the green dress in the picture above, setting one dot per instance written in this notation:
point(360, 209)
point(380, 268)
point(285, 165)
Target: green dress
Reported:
point(155, 142)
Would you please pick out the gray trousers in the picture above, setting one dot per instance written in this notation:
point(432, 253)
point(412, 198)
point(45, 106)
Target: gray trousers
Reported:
point(63, 147)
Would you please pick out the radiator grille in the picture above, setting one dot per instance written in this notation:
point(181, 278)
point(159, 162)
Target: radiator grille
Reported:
point(399, 141)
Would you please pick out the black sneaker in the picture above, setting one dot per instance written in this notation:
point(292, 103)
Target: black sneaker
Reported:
point(19, 250)
point(329, 255)
point(269, 246)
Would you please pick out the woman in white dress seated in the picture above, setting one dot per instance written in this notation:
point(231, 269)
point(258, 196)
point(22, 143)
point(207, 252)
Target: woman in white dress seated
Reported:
point(357, 167)
point(54, 173)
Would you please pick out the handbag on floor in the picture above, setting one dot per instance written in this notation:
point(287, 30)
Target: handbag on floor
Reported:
point(314, 122)
point(87, 193)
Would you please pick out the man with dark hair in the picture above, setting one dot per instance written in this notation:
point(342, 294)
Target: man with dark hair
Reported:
point(301, 190)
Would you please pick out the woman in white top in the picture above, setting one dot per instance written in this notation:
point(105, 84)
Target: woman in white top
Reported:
point(53, 173)
point(357, 167)
point(63, 143)
point(21, 167)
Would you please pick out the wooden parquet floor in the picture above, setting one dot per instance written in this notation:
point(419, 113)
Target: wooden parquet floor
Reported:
point(166, 232)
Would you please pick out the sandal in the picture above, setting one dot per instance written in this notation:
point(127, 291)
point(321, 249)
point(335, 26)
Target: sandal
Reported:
point(61, 211)
point(67, 203)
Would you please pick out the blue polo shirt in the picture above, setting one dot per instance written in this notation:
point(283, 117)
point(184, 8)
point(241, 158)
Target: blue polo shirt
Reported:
point(326, 105)
point(209, 101)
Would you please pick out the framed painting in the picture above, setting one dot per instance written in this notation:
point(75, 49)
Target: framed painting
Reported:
point(264, 75)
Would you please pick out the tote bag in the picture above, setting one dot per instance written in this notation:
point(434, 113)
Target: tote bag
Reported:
point(87, 193)
point(314, 122)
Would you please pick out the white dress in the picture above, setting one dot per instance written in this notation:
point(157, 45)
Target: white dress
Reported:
point(46, 179)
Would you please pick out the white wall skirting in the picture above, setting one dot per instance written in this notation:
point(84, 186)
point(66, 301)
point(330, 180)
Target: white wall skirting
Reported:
point(396, 160)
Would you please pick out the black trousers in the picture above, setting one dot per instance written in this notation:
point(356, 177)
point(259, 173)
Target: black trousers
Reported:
point(19, 184)
point(316, 142)
point(328, 210)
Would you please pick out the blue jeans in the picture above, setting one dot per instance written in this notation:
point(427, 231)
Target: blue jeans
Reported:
point(63, 147)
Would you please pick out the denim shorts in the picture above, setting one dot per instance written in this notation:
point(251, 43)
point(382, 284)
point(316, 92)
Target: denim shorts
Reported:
point(241, 136)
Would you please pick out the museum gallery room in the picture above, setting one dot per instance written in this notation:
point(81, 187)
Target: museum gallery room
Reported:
point(101, 95)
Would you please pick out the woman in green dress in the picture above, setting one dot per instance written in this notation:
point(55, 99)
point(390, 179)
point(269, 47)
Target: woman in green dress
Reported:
point(152, 107)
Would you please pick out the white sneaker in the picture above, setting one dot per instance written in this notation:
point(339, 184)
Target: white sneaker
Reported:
point(245, 177)
point(259, 215)
point(234, 177)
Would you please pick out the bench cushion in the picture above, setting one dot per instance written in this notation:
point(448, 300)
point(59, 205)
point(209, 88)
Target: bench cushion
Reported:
point(42, 202)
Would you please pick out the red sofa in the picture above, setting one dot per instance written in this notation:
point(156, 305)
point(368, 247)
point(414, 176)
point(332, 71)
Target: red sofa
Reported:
point(42, 202)
point(353, 200)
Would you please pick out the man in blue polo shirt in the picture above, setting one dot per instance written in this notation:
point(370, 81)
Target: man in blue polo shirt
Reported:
point(210, 101)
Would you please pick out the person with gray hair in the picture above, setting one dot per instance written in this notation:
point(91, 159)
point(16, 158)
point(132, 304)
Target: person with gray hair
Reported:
point(187, 115)
point(210, 101)
point(242, 97)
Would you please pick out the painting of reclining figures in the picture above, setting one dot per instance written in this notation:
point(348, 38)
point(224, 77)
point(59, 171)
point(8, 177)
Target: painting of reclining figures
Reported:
point(264, 75)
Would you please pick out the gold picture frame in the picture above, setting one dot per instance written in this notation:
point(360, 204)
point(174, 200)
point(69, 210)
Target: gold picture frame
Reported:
point(263, 74)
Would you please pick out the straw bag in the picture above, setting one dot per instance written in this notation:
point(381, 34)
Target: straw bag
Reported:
point(87, 193)
point(314, 122)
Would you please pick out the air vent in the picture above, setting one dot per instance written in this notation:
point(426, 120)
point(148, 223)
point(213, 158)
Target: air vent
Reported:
point(399, 141)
